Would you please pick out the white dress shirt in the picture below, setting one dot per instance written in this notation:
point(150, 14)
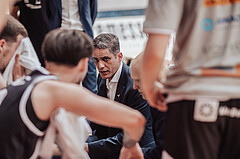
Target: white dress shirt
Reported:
point(70, 15)
point(112, 85)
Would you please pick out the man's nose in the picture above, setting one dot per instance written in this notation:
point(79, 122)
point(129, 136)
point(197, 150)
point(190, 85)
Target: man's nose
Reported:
point(135, 86)
point(101, 64)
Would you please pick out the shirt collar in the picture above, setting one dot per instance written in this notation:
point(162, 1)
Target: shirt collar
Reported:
point(116, 77)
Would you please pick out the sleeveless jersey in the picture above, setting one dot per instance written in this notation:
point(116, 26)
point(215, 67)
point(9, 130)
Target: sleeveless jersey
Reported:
point(20, 128)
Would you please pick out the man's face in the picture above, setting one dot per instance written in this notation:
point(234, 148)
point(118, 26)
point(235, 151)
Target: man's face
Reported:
point(106, 63)
point(135, 75)
point(7, 50)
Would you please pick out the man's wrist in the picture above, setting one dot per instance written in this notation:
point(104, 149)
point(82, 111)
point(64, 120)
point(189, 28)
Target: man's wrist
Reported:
point(128, 143)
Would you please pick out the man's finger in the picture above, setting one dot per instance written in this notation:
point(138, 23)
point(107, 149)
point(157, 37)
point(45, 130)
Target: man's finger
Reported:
point(18, 70)
point(17, 59)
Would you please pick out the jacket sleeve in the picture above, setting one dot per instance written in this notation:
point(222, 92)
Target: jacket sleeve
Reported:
point(106, 148)
point(152, 153)
point(159, 119)
point(136, 101)
point(94, 11)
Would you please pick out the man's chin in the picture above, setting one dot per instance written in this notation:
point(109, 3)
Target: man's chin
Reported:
point(104, 76)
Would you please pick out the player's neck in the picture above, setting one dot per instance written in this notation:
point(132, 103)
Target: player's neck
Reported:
point(63, 72)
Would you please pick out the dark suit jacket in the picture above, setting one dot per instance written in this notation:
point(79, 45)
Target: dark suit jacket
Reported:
point(52, 12)
point(159, 119)
point(109, 140)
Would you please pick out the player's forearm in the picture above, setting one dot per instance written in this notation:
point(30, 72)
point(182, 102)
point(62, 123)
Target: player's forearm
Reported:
point(101, 110)
point(131, 121)
point(153, 59)
point(49, 95)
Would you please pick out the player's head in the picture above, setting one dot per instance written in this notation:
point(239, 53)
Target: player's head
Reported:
point(10, 37)
point(68, 48)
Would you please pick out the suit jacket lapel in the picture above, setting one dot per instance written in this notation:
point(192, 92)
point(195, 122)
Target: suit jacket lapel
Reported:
point(121, 84)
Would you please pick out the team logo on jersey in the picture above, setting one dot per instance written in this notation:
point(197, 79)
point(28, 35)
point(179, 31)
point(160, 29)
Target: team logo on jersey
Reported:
point(207, 24)
point(206, 110)
point(212, 3)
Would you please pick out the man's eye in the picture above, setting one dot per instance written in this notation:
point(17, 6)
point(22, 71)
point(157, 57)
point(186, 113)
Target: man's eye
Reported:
point(95, 60)
point(106, 59)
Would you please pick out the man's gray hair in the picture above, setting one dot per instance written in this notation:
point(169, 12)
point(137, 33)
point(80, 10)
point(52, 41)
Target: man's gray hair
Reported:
point(107, 41)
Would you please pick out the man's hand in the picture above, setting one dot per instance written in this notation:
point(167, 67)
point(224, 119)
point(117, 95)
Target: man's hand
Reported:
point(155, 97)
point(131, 153)
point(18, 70)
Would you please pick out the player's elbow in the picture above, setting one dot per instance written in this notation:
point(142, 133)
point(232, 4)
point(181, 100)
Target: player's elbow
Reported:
point(137, 121)
point(140, 120)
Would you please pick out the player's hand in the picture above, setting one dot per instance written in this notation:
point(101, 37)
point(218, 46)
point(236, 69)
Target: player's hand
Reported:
point(131, 153)
point(2, 82)
point(18, 70)
point(155, 97)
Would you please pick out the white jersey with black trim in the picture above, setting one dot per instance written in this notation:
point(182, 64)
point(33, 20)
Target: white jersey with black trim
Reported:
point(207, 48)
point(20, 128)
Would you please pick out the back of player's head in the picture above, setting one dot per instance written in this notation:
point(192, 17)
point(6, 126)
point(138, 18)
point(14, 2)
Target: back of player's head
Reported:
point(66, 46)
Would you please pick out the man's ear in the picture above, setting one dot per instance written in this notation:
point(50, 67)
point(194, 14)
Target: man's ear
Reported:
point(2, 43)
point(83, 64)
point(120, 56)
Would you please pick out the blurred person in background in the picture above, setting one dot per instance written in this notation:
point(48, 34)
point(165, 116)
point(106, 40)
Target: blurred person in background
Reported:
point(74, 14)
point(203, 87)
point(29, 13)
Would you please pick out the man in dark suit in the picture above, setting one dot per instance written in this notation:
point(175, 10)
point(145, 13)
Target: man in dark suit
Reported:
point(116, 84)
point(73, 14)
